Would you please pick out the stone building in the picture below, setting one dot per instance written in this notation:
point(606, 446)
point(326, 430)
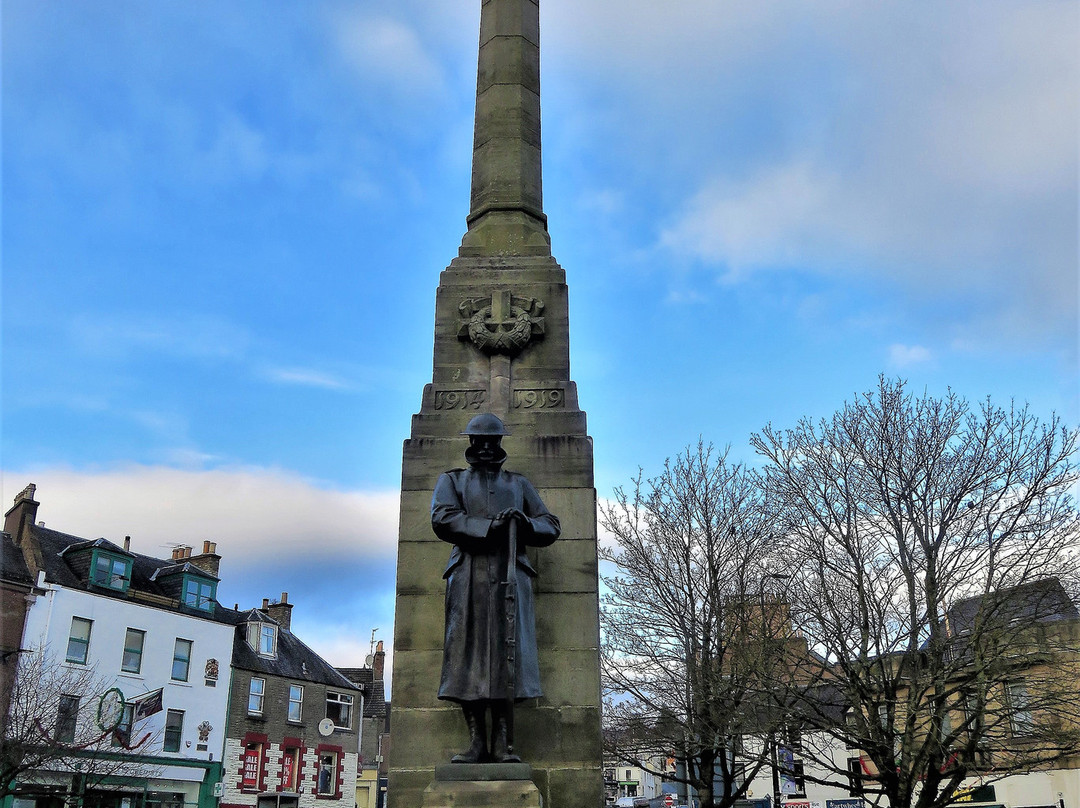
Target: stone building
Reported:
point(371, 769)
point(294, 721)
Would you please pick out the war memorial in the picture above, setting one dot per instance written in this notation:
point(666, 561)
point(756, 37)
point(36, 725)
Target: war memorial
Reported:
point(521, 478)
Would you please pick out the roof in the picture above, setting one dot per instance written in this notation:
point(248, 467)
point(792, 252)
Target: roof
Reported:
point(60, 558)
point(1041, 601)
point(294, 659)
point(59, 550)
point(12, 566)
point(374, 690)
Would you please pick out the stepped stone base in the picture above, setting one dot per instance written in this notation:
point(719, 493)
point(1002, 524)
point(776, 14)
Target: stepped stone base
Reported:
point(482, 785)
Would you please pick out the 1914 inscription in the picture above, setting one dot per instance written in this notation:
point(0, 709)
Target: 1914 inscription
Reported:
point(546, 399)
point(459, 399)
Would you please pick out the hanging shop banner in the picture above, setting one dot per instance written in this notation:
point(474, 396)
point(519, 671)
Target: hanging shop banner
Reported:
point(148, 704)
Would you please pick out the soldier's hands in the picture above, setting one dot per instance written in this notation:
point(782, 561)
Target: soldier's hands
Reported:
point(503, 518)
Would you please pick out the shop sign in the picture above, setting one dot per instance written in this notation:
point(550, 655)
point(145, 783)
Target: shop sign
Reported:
point(977, 794)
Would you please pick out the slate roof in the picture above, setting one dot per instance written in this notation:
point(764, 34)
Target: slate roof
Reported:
point(58, 550)
point(12, 566)
point(294, 659)
point(374, 690)
point(1042, 601)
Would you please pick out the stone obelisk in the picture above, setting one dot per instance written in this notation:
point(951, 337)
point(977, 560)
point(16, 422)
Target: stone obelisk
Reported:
point(502, 346)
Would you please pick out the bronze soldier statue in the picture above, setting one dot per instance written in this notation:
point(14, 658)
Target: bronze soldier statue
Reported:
point(483, 511)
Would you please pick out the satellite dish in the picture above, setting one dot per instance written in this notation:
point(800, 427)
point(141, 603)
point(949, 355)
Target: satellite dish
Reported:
point(326, 727)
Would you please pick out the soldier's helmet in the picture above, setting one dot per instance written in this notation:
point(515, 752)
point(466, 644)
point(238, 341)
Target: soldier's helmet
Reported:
point(485, 424)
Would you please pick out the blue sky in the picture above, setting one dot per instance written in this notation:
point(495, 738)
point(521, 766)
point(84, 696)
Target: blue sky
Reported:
point(223, 227)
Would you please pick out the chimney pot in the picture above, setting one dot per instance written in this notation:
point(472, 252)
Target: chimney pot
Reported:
point(127, 543)
point(284, 597)
point(266, 603)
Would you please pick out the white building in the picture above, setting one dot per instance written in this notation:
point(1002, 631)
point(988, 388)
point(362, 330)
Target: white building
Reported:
point(146, 630)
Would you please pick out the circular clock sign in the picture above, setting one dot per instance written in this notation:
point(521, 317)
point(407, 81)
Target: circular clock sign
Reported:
point(110, 709)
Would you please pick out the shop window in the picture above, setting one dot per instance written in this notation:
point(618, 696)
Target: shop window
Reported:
point(252, 772)
point(174, 730)
point(256, 694)
point(181, 663)
point(328, 773)
point(296, 702)
point(339, 709)
point(67, 716)
point(133, 650)
point(290, 767)
point(78, 648)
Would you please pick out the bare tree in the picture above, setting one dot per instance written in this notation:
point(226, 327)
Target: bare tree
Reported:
point(694, 641)
point(55, 723)
point(930, 538)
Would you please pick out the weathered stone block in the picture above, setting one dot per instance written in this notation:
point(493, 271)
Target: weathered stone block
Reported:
point(567, 620)
point(482, 794)
point(569, 678)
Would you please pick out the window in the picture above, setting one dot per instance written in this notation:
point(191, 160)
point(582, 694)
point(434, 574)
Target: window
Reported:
point(79, 640)
point(267, 640)
point(174, 729)
point(339, 709)
point(110, 571)
point(253, 753)
point(328, 773)
point(67, 715)
point(181, 660)
point(296, 702)
point(855, 777)
point(198, 593)
point(1020, 721)
point(133, 647)
point(290, 765)
point(122, 733)
point(256, 691)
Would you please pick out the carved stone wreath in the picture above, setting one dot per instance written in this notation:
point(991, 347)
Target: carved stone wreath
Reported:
point(501, 324)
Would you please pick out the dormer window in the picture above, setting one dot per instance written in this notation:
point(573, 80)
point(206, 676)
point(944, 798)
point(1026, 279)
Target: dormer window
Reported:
point(198, 593)
point(268, 640)
point(263, 638)
point(110, 571)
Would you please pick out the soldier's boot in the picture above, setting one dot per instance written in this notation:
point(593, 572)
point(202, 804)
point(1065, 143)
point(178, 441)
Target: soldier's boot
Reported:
point(474, 719)
point(501, 750)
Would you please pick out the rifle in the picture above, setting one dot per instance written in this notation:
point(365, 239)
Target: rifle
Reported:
point(511, 634)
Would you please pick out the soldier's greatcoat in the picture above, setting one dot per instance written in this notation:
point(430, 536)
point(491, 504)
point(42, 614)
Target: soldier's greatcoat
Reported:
point(474, 651)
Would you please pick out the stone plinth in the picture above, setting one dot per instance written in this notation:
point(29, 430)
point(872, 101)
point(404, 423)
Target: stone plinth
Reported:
point(482, 785)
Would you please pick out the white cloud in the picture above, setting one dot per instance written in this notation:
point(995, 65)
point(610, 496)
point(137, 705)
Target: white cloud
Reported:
point(175, 334)
point(932, 146)
point(902, 356)
point(306, 377)
point(252, 513)
point(389, 52)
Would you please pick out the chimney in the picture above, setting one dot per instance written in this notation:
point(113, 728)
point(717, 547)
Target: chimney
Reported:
point(127, 544)
point(19, 523)
point(379, 662)
point(208, 560)
point(281, 611)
